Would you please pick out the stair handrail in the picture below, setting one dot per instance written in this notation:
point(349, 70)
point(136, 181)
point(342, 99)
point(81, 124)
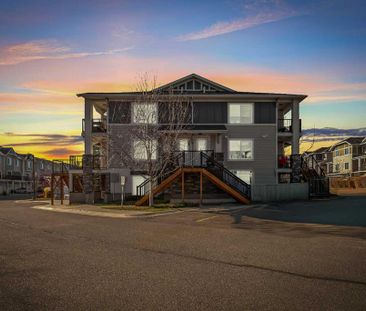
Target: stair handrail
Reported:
point(246, 187)
point(140, 189)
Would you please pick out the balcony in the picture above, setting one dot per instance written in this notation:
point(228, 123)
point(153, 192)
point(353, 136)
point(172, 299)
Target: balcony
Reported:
point(76, 162)
point(284, 161)
point(285, 125)
point(98, 126)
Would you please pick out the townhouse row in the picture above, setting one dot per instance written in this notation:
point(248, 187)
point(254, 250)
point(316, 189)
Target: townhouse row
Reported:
point(345, 158)
point(19, 171)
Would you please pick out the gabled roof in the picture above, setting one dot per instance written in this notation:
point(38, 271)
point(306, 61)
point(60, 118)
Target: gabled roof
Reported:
point(6, 150)
point(350, 141)
point(364, 141)
point(195, 83)
point(192, 84)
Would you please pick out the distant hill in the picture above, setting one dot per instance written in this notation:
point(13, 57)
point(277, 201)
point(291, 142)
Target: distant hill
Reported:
point(330, 133)
point(313, 139)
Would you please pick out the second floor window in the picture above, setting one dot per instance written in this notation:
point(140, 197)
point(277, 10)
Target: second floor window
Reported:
point(240, 149)
point(17, 163)
point(142, 150)
point(240, 113)
point(146, 113)
point(29, 164)
point(10, 161)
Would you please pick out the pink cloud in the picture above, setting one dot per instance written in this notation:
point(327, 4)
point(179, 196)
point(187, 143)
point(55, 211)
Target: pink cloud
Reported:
point(45, 49)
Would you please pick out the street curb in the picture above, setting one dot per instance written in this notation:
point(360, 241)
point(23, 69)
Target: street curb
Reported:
point(101, 214)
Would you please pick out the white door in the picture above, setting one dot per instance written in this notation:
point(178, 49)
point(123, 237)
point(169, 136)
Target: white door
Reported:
point(201, 143)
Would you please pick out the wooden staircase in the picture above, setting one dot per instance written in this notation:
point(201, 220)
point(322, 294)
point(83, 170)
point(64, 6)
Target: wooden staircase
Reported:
point(208, 167)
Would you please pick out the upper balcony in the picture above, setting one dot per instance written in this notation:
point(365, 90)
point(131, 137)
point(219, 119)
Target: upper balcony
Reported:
point(98, 126)
point(285, 125)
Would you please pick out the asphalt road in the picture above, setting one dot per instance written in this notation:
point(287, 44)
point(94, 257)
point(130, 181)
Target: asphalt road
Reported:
point(185, 261)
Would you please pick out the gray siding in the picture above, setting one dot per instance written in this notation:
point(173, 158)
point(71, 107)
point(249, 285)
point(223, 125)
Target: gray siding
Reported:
point(119, 112)
point(214, 112)
point(264, 163)
point(265, 113)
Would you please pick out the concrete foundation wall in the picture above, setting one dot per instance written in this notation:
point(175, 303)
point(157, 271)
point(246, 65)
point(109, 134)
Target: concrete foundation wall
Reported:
point(280, 192)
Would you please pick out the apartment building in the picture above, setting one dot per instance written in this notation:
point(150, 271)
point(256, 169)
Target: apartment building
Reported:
point(240, 134)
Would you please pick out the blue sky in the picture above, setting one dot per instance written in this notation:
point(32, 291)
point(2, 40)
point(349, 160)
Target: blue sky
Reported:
point(50, 50)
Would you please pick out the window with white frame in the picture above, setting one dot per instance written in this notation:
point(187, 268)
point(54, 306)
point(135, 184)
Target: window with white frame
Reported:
point(346, 166)
point(142, 149)
point(346, 150)
point(145, 113)
point(183, 144)
point(240, 149)
point(240, 113)
point(244, 175)
point(17, 163)
point(9, 161)
point(29, 164)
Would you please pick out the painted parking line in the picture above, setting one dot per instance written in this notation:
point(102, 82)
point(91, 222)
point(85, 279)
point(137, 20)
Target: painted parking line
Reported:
point(207, 218)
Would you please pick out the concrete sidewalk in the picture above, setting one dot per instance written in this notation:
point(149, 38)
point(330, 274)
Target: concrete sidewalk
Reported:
point(94, 210)
point(115, 212)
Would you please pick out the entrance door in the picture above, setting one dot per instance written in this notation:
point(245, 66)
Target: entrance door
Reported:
point(201, 144)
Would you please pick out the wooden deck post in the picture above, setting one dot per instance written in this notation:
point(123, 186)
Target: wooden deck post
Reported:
point(183, 186)
point(52, 188)
point(200, 187)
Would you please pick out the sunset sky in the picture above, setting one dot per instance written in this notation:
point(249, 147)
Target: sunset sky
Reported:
point(51, 50)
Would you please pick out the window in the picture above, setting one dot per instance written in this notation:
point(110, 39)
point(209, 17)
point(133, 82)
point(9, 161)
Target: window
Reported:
point(337, 153)
point(136, 181)
point(42, 166)
point(240, 149)
point(17, 162)
point(145, 113)
point(183, 144)
point(337, 167)
point(346, 166)
point(10, 161)
point(346, 151)
point(201, 144)
point(240, 113)
point(244, 175)
point(29, 164)
point(142, 149)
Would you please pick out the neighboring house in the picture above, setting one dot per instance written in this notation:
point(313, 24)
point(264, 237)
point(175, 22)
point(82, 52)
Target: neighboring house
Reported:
point(16, 171)
point(345, 156)
point(359, 161)
point(323, 157)
point(246, 131)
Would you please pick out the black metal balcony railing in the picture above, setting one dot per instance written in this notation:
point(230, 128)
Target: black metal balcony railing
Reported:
point(285, 125)
point(98, 126)
point(77, 162)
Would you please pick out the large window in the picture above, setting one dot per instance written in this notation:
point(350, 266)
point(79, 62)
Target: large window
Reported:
point(141, 149)
point(240, 113)
point(244, 175)
point(145, 113)
point(183, 144)
point(240, 149)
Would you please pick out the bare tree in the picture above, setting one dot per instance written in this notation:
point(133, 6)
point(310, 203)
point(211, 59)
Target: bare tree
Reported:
point(149, 143)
